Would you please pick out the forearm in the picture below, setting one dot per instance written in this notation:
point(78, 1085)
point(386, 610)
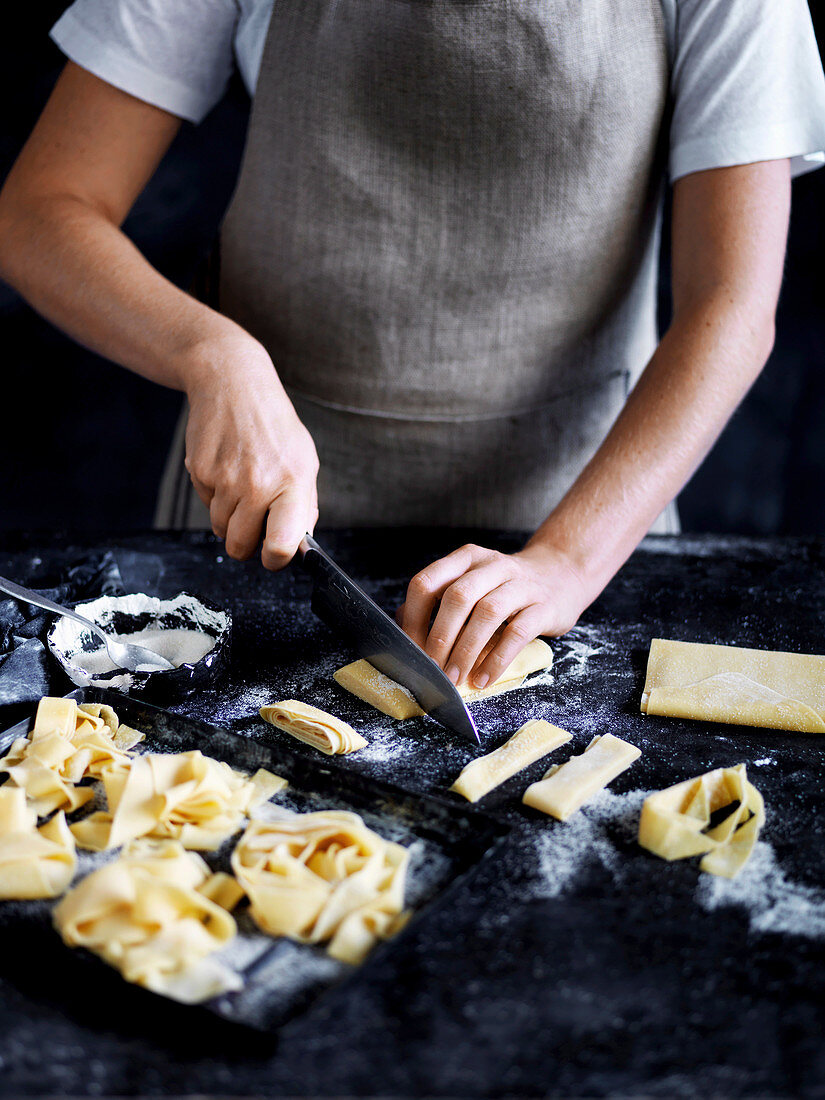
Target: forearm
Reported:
point(704, 365)
point(80, 271)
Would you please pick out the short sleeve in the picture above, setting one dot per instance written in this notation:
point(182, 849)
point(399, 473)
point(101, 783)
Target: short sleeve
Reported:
point(747, 85)
point(174, 54)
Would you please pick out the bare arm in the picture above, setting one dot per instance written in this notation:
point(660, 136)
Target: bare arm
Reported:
point(729, 233)
point(89, 157)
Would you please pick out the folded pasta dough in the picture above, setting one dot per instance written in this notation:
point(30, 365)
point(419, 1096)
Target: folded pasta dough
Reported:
point(34, 863)
point(323, 876)
point(67, 743)
point(751, 687)
point(186, 796)
point(313, 726)
point(566, 788)
point(674, 822)
point(533, 740)
point(153, 915)
point(365, 681)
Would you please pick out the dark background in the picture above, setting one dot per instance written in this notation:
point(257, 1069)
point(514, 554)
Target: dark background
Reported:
point(84, 442)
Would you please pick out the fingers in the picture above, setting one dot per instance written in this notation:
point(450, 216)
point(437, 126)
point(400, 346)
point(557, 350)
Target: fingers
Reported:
point(426, 588)
point(291, 515)
point(243, 531)
point(487, 621)
point(471, 596)
point(522, 629)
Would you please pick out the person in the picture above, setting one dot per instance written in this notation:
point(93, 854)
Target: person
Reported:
point(438, 270)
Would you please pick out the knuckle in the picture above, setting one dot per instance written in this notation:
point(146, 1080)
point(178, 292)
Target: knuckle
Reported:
point(519, 632)
point(458, 594)
point(422, 584)
point(489, 609)
point(438, 641)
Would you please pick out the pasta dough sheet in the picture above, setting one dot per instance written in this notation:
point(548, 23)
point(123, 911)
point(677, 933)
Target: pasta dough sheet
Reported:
point(396, 701)
point(156, 914)
point(186, 796)
point(67, 743)
point(321, 877)
point(313, 726)
point(566, 788)
point(533, 740)
point(34, 863)
point(675, 822)
point(750, 687)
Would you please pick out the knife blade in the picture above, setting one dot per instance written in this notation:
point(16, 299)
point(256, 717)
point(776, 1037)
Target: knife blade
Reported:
point(345, 607)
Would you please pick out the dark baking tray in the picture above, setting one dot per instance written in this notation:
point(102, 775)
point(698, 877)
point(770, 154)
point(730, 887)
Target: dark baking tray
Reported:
point(281, 978)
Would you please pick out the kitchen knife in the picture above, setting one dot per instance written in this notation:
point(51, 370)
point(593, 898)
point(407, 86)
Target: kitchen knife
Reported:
point(342, 605)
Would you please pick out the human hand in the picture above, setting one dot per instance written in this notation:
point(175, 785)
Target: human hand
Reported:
point(489, 606)
point(251, 460)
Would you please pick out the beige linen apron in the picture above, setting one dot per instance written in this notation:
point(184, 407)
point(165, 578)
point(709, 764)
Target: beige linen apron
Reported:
point(445, 233)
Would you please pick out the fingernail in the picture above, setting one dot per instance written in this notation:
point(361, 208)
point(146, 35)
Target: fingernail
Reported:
point(482, 680)
point(452, 673)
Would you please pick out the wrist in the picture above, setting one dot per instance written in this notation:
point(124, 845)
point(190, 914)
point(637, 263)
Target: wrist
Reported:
point(223, 357)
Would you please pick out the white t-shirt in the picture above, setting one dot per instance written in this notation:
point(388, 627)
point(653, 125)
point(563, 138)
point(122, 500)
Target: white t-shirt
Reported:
point(746, 77)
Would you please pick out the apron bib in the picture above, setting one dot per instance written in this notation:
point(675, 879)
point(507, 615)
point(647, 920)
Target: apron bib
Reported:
point(445, 234)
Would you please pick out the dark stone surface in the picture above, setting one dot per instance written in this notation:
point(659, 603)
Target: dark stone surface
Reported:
point(573, 963)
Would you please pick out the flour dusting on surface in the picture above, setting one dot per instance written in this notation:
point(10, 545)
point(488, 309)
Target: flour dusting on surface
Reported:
point(566, 848)
point(774, 903)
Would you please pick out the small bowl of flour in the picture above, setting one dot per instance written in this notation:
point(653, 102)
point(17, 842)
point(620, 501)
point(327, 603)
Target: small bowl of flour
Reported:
point(187, 630)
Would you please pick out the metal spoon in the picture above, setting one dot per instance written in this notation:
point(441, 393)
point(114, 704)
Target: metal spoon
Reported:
point(124, 654)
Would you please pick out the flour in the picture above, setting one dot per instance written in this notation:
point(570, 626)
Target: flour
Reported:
point(564, 849)
point(178, 646)
point(581, 644)
point(773, 902)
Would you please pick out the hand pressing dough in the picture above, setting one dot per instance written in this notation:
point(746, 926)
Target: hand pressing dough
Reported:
point(567, 787)
point(313, 726)
point(156, 914)
point(750, 687)
point(186, 796)
point(34, 863)
point(392, 699)
point(529, 743)
point(67, 743)
point(674, 822)
point(323, 876)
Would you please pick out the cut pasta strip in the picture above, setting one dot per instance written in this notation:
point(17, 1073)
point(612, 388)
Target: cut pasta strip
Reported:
point(533, 740)
point(566, 788)
point(675, 822)
point(153, 915)
point(34, 863)
point(362, 679)
point(186, 796)
point(751, 687)
point(313, 726)
point(321, 877)
point(67, 744)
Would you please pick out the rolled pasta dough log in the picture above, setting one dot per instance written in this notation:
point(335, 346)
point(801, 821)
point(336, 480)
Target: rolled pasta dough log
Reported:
point(533, 740)
point(365, 681)
point(313, 726)
point(565, 789)
point(753, 687)
point(674, 822)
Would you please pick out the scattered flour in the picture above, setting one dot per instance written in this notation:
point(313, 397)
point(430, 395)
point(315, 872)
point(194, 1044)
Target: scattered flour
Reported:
point(763, 762)
point(566, 848)
point(581, 644)
point(773, 902)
